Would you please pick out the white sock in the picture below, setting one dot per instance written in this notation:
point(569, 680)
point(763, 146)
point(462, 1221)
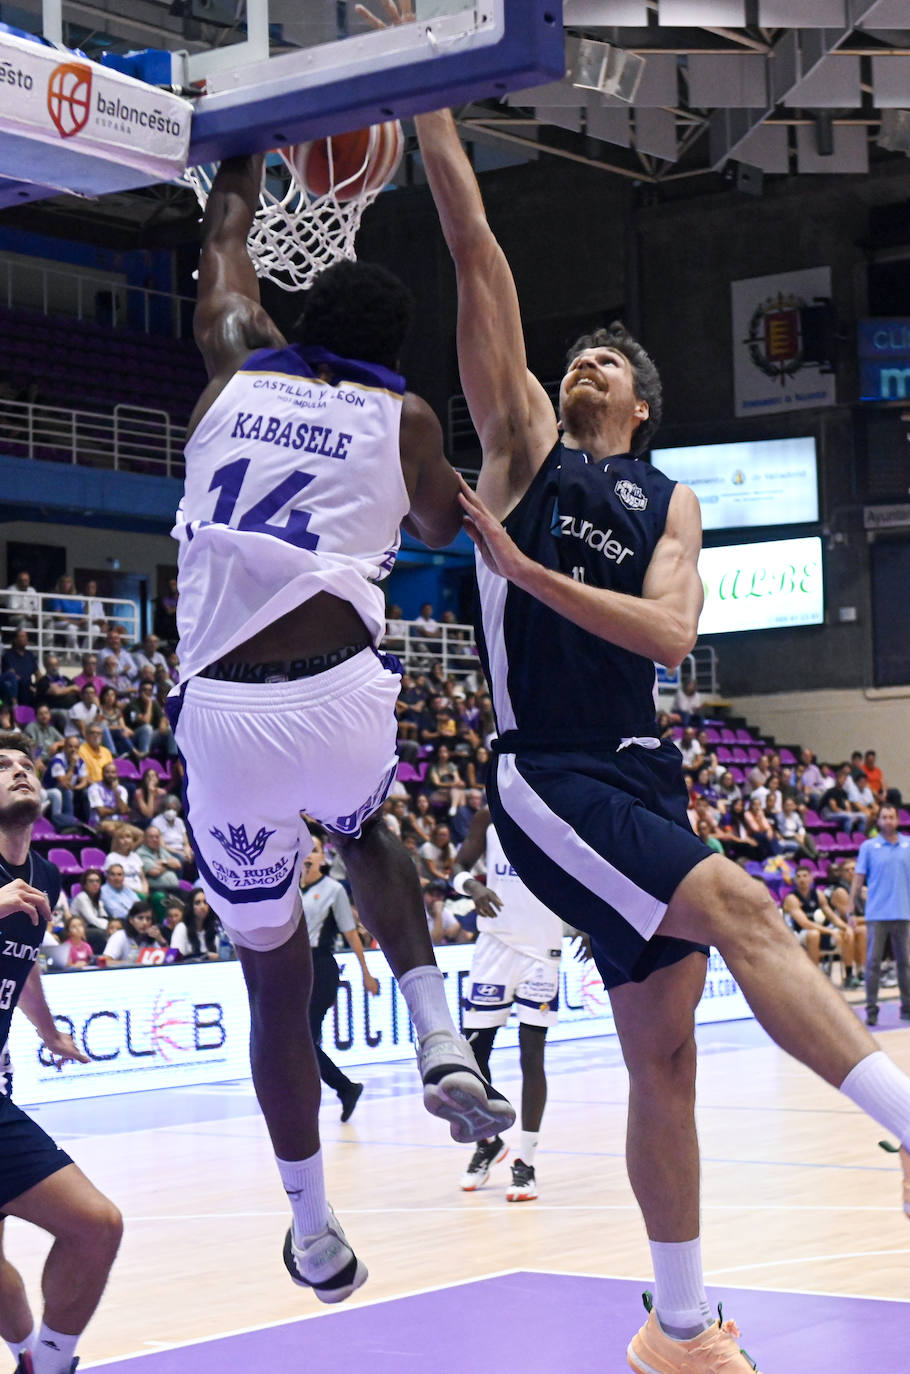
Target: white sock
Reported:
point(53, 1351)
point(305, 1186)
point(424, 990)
point(527, 1147)
point(26, 1343)
point(879, 1087)
point(680, 1299)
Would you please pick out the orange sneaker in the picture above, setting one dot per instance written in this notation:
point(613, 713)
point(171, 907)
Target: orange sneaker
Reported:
point(715, 1351)
point(905, 1165)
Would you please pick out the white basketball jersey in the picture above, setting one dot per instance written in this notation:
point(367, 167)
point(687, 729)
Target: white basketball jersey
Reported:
point(524, 922)
point(293, 487)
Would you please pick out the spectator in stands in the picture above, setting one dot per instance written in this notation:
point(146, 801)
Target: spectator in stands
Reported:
point(735, 835)
point(90, 674)
point(148, 723)
point(174, 907)
point(109, 805)
point(438, 856)
point(391, 817)
point(85, 712)
point(859, 793)
point(427, 629)
point(44, 735)
point(769, 794)
point(690, 749)
point(111, 715)
point(124, 841)
point(148, 798)
point(460, 819)
point(759, 773)
point(89, 906)
point(688, 704)
point(149, 654)
point(19, 671)
point(702, 786)
point(166, 614)
point(727, 789)
point(161, 868)
point(95, 618)
point(396, 631)
point(817, 925)
point(196, 937)
point(760, 827)
point(792, 835)
point(884, 864)
point(137, 933)
point(813, 780)
point(173, 833)
point(67, 614)
point(707, 832)
point(173, 666)
point(444, 781)
point(22, 602)
point(122, 685)
point(79, 952)
point(113, 646)
point(163, 684)
point(116, 897)
point(477, 769)
point(66, 779)
point(874, 774)
point(56, 690)
point(420, 822)
point(836, 805)
point(408, 707)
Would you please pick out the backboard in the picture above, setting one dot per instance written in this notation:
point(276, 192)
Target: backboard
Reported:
point(264, 73)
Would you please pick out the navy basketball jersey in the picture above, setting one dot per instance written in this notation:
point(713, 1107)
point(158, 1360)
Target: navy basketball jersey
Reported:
point(20, 941)
point(555, 685)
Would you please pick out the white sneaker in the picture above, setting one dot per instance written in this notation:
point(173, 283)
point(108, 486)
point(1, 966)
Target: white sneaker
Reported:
point(456, 1090)
point(325, 1262)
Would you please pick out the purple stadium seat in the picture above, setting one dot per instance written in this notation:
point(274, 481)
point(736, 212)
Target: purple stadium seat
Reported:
point(711, 735)
point(736, 774)
point(127, 769)
point(90, 857)
point(754, 753)
point(65, 861)
point(723, 754)
point(23, 714)
point(728, 736)
point(787, 757)
point(903, 817)
point(842, 840)
point(744, 736)
point(740, 755)
point(824, 840)
point(44, 830)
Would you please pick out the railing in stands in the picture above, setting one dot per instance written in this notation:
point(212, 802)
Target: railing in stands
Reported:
point(106, 300)
point(131, 439)
point(453, 648)
point(67, 633)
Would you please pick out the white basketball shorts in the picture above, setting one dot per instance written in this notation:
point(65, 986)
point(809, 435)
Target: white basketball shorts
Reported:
point(503, 977)
point(257, 755)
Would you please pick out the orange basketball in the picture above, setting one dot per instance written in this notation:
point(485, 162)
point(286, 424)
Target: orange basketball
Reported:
point(348, 164)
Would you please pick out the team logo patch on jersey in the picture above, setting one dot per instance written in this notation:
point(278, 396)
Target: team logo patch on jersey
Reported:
point(630, 494)
point(487, 992)
point(241, 849)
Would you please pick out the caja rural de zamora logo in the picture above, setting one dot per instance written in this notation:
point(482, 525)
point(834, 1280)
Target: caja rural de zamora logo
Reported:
point(69, 94)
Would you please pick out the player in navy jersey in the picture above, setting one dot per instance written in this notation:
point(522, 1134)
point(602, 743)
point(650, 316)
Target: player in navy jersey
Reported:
point(38, 1181)
point(587, 570)
point(303, 461)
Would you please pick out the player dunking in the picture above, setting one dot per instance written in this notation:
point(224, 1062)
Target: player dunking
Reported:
point(515, 965)
point(303, 460)
point(38, 1181)
point(587, 567)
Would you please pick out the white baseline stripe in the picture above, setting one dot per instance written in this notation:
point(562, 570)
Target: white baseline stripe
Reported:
point(556, 838)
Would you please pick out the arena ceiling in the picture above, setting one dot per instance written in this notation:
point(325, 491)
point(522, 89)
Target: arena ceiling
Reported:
point(671, 93)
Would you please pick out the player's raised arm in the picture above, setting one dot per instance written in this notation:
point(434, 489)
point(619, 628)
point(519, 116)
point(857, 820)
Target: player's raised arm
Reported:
point(229, 321)
point(435, 516)
point(510, 409)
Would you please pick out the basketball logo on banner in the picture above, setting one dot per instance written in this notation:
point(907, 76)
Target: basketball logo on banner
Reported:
point(69, 92)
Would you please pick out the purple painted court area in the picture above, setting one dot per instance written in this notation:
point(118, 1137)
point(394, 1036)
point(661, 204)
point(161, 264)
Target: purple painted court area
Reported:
point(537, 1323)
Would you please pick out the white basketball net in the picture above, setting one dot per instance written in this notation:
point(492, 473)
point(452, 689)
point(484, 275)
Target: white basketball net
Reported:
point(295, 234)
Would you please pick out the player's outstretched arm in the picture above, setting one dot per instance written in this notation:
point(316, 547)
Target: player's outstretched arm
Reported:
point(661, 624)
point(435, 513)
point(229, 321)
point(34, 1004)
point(510, 410)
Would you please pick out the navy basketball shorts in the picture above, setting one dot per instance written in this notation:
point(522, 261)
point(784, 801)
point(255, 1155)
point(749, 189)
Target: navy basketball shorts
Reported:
point(27, 1154)
point(604, 841)
point(256, 755)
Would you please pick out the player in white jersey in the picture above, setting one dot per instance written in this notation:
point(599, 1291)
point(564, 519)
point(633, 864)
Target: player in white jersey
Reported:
point(515, 965)
point(303, 460)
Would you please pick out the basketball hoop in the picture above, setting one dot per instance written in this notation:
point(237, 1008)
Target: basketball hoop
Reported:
point(321, 189)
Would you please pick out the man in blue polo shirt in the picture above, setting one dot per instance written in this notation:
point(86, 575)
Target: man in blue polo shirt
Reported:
point(884, 864)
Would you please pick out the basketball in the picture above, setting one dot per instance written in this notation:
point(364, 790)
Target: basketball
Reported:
point(348, 164)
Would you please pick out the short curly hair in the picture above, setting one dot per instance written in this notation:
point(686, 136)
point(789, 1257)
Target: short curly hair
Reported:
point(646, 376)
point(357, 310)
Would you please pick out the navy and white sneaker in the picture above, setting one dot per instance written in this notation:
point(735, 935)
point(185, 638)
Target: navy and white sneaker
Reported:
point(325, 1262)
point(25, 1365)
point(455, 1089)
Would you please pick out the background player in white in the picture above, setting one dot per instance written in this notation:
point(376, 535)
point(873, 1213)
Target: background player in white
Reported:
point(303, 461)
point(606, 794)
point(515, 964)
point(38, 1181)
